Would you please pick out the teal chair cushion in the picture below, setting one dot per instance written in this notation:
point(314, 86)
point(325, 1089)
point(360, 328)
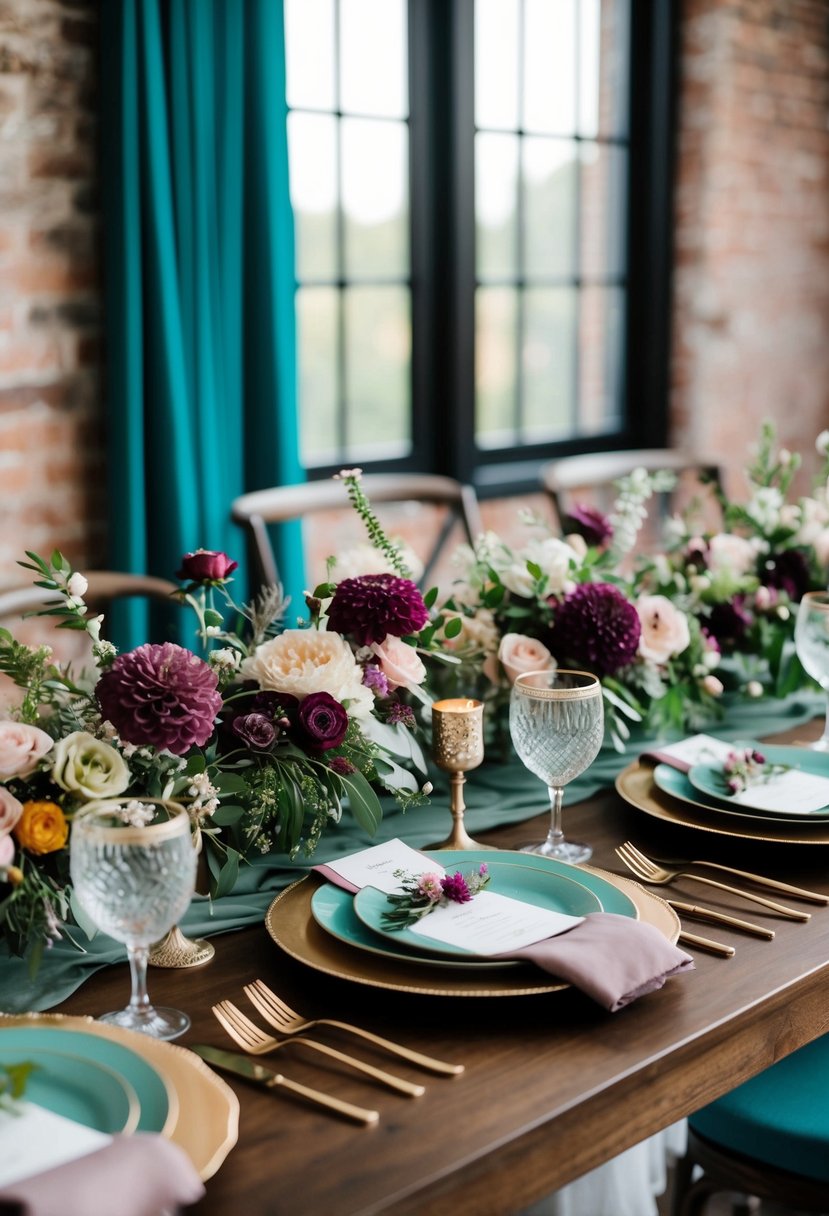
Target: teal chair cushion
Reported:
point(780, 1117)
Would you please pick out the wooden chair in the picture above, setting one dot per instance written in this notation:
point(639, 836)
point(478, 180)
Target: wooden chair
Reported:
point(255, 511)
point(596, 473)
point(766, 1139)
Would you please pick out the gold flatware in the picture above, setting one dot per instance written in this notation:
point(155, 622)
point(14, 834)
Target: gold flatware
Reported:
point(721, 918)
point(648, 872)
point(243, 1066)
point(707, 943)
point(774, 884)
point(255, 1041)
point(287, 1021)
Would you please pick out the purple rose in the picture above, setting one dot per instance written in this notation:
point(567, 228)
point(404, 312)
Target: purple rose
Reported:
point(323, 720)
point(255, 730)
point(206, 566)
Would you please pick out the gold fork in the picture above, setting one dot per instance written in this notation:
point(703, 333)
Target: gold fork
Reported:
point(287, 1021)
point(257, 1043)
point(656, 875)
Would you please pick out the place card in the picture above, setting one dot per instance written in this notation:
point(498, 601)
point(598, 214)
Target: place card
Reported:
point(375, 867)
point(793, 791)
point(33, 1139)
point(492, 924)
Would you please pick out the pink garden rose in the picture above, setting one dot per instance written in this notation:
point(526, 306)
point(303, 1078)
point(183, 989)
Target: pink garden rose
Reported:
point(519, 654)
point(10, 812)
point(6, 851)
point(399, 662)
point(665, 631)
point(21, 748)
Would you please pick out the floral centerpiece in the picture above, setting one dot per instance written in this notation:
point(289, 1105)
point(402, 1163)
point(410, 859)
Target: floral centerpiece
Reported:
point(265, 735)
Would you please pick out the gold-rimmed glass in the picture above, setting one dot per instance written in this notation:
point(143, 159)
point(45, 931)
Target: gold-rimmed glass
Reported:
point(811, 637)
point(556, 724)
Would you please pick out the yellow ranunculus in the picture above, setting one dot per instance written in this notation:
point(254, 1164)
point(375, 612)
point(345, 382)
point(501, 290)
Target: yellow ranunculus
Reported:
point(42, 828)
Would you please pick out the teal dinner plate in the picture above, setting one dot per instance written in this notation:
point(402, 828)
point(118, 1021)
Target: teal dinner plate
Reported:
point(552, 892)
point(707, 779)
point(100, 1054)
point(79, 1089)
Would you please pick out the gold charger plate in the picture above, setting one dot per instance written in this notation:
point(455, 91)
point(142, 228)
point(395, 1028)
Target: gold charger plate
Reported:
point(293, 928)
point(205, 1110)
point(637, 786)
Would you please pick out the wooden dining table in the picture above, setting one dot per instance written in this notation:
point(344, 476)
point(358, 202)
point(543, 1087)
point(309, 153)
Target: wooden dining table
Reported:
point(553, 1085)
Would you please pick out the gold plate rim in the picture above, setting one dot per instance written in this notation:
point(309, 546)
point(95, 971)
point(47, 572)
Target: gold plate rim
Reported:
point(302, 939)
point(177, 1067)
point(636, 785)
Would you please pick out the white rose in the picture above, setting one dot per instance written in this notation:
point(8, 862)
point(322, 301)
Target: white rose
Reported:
point(89, 766)
point(520, 654)
point(665, 629)
point(764, 507)
point(555, 558)
point(21, 748)
point(730, 554)
point(400, 663)
point(302, 661)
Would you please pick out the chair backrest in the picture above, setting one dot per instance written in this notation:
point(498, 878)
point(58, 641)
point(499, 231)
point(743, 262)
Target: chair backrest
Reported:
point(255, 511)
point(597, 471)
point(104, 586)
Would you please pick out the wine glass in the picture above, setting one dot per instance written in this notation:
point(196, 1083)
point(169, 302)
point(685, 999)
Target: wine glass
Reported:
point(133, 868)
point(811, 637)
point(556, 721)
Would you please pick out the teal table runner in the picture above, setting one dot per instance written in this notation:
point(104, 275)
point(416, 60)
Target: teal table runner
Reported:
point(496, 795)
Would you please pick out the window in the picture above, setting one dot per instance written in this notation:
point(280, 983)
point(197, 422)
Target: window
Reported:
point(481, 194)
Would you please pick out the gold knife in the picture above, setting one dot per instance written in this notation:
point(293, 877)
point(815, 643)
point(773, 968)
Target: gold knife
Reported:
point(721, 918)
point(243, 1066)
point(706, 943)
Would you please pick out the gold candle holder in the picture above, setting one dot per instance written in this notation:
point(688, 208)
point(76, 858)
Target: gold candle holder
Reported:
point(457, 747)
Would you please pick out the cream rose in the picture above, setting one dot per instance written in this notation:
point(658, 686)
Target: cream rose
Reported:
point(732, 554)
point(665, 629)
point(302, 661)
point(519, 654)
point(554, 558)
point(21, 748)
point(400, 663)
point(10, 810)
point(87, 766)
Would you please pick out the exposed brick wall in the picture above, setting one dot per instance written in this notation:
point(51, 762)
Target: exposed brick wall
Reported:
point(51, 442)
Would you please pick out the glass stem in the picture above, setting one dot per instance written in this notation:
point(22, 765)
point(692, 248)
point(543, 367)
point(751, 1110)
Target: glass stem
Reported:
point(555, 834)
point(139, 998)
point(823, 742)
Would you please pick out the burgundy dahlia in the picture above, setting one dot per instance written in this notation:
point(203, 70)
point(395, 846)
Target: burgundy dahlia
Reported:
point(597, 627)
point(729, 622)
point(371, 607)
point(591, 525)
point(161, 695)
point(323, 720)
point(206, 566)
point(786, 571)
point(455, 888)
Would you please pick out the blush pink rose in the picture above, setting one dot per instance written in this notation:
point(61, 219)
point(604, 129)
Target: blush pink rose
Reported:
point(519, 654)
point(6, 850)
point(399, 662)
point(21, 748)
point(10, 811)
point(665, 629)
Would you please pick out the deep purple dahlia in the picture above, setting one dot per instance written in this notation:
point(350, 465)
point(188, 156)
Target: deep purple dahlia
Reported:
point(728, 622)
point(786, 571)
point(455, 888)
point(590, 524)
point(323, 720)
point(371, 607)
point(596, 626)
point(162, 695)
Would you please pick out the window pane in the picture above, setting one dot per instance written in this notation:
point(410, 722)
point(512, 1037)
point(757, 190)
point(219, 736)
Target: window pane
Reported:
point(375, 192)
point(496, 184)
point(378, 347)
point(309, 53)
point(601, 327)
point(548, 357)
point(373, 75)
point(603, 195)
point(496, 64)
point(550, 189)
point(604, 37)
point(316, 309)
point(550, 66)
point(312, 142)
point(495, 364)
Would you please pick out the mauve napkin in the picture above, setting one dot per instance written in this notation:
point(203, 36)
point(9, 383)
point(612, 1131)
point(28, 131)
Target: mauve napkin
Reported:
point(677, 762)
point(608, 957)
point(140, 1175)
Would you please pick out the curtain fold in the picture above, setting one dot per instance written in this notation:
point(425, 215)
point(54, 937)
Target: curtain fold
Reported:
point(199, 261)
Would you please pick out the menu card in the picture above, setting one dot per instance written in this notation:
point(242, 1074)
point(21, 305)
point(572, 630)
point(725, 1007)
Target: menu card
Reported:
point(793, 791)
point(33, 1139)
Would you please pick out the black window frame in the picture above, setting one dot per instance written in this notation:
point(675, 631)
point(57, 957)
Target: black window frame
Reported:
point(442, 242)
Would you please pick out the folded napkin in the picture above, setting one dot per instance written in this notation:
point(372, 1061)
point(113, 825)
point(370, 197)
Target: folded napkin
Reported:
point(688, 752)
point(140, 1175)
point(608, 957)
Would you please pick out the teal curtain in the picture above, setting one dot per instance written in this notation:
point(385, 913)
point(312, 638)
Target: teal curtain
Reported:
point(199, 262)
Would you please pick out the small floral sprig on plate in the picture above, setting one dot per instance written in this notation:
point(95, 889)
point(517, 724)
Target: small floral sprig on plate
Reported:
point(746, 767)
point(422, 893)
